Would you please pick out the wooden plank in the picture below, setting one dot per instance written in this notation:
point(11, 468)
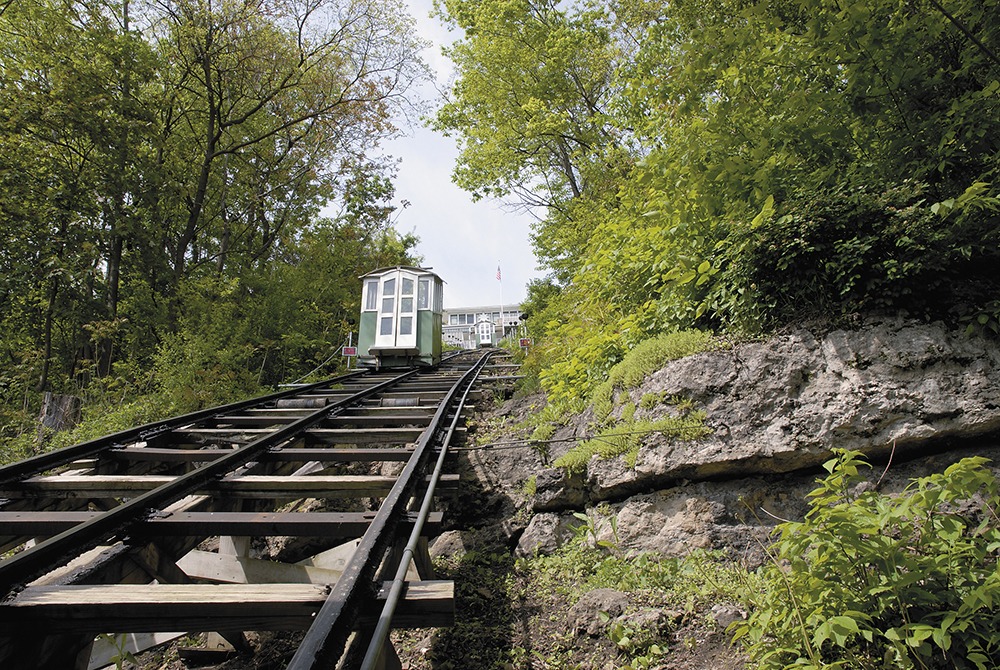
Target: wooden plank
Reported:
point(314, 524)
point(323, 435)
point(426, 394)
point(168, 455)
point(333, 559)
point(408, 419)
point(226, 569)
point(95, 609)
point(373, 409)
point(340, 455)
point(256, 486)
point(263, 420)
point(363, 436)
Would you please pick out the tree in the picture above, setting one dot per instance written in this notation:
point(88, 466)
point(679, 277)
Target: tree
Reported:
point(151, 148)
point(717, 122)
point(267, 105)
point(531, 110)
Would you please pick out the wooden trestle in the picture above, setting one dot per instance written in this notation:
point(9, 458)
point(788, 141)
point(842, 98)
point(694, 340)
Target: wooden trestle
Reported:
point(111, 545)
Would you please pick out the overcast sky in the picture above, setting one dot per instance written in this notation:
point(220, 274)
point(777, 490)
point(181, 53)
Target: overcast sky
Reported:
point(464, 241)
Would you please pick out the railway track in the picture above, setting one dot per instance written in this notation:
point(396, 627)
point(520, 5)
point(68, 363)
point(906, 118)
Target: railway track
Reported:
point(125, 542)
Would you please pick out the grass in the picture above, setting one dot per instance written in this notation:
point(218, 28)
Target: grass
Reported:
point(645, 359)
point(624, 439)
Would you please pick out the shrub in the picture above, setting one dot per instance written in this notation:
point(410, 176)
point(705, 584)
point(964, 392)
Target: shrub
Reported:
point(859, 249)
point(872, 581)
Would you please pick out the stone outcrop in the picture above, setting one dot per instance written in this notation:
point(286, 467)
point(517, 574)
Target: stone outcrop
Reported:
point(781, 405)
point(918, 395)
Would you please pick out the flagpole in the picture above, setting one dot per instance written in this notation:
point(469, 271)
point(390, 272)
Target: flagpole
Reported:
point(501, 299)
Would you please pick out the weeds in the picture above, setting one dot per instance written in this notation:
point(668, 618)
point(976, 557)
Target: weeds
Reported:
point(867, 580)
point(642, 361)
point(626, 438)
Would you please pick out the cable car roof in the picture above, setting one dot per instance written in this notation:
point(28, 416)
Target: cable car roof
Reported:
point(410, 268)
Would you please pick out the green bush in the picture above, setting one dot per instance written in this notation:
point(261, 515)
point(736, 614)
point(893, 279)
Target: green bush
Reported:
point(854, 249)
point(872, 581)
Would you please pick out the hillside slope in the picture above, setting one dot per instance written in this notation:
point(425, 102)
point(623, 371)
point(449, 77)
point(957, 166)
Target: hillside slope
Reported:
point(913, 397)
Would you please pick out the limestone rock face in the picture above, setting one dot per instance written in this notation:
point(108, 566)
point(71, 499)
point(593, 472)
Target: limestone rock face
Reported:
point(545, 533)
point(782, 405)
point(913, 397)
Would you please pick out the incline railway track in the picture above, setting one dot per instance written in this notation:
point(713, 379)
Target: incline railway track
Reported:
point(130, 540)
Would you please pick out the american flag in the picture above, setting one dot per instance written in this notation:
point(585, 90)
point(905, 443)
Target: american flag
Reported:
point(498, 273)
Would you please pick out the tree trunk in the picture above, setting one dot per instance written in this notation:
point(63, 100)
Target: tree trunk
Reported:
point(43, 379)
point(59, 412)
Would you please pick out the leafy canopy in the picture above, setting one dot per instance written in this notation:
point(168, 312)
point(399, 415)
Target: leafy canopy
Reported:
point(734, 165)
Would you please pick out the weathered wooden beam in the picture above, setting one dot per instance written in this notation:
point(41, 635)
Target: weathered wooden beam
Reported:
point(131, 608)
point(363, 436)
point(316, 524)
point(321, 435)
point(343, 455)
point(255, 486)
point(340, 455)
point(408, 419)
point(227, 569)
point(364, 421)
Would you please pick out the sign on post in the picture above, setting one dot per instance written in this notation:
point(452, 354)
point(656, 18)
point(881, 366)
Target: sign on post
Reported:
point(350, 351)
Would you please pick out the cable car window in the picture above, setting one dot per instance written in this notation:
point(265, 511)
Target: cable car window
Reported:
point(406, 304)
point(453, 319)
point(405, 325)
point(385, 328)
point(407, 287)
point(389, 287)
point(371, 295)
point(423, 290)
point(387, 305)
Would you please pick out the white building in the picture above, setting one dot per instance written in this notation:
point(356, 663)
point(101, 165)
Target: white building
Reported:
point(458, 323)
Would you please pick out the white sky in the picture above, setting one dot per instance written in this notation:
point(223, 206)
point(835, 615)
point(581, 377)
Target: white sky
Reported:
point(463, 241)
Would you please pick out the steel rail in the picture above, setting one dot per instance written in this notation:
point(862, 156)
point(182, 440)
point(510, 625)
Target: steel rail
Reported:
point(376, 645)
point(50, 553)
point(42, 462)
point(326, 639)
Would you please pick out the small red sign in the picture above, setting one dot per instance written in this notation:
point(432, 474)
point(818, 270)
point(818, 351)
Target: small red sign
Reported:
point(525, 341)
point(350, 351)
